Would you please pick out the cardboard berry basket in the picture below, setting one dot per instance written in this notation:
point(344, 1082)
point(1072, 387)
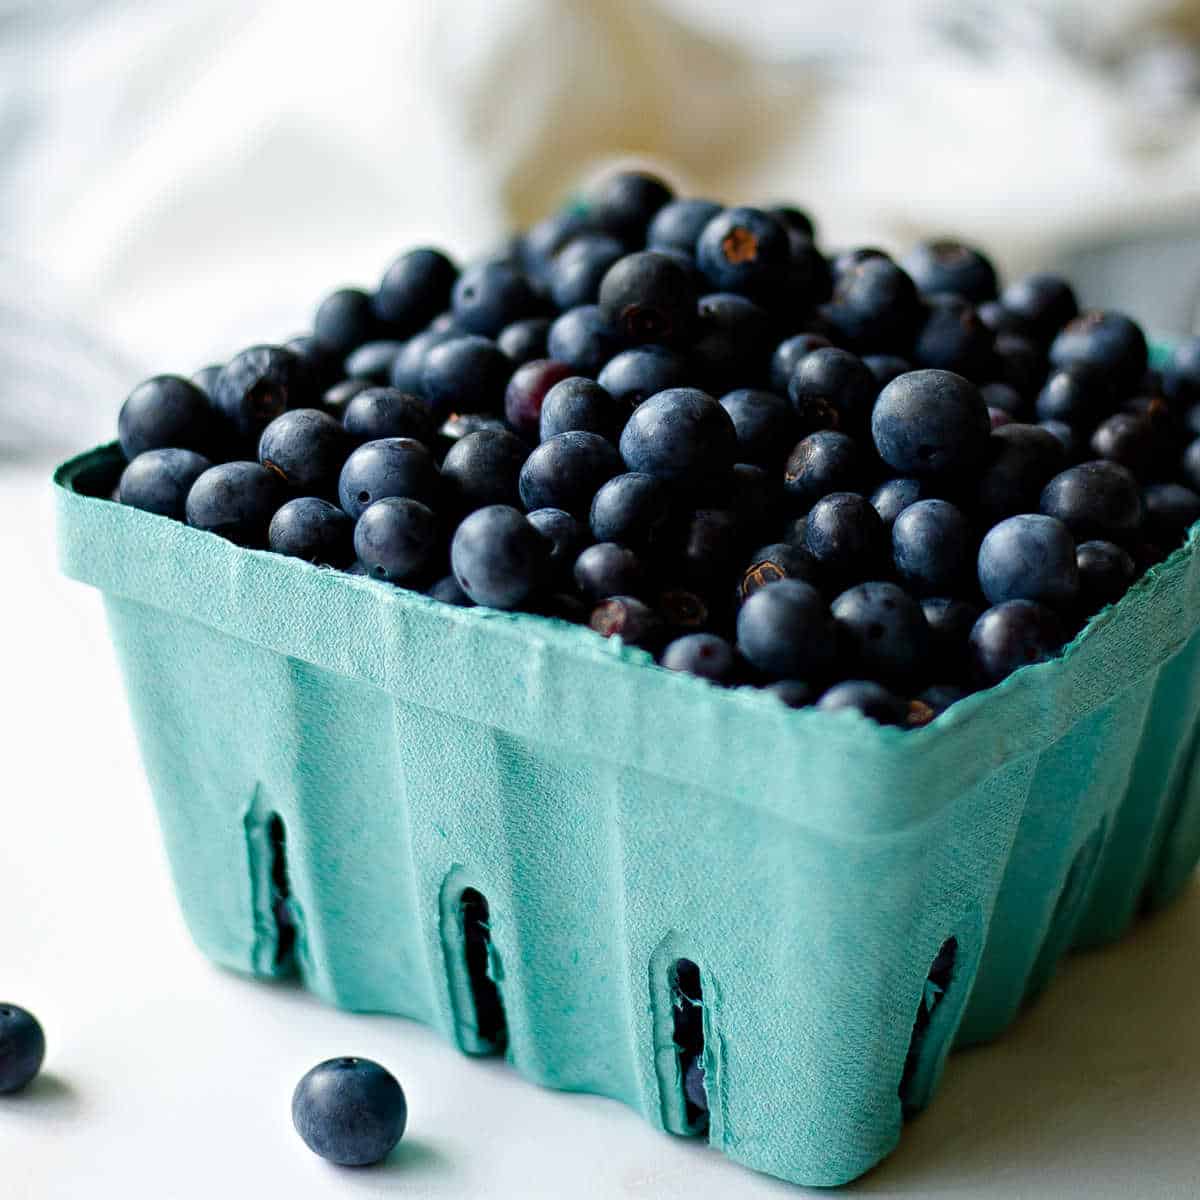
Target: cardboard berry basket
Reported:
point(524, 835)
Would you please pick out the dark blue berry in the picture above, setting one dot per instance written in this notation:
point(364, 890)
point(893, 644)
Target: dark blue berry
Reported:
point(1170, 511)
point(787, 356)
point(754, 495)
point(930, 423)
point(490, 295)
point(1017, 361)
point(885, 368)
point(1021, 460)
point(678, 224)
point(1029, 557)
point(498, 557)
point(1045, 303)
point(832, 389)
point(846, 536)
point(1078, 394)
point(648, 297)
point(579, 403)
point(306, 449)
point(414, 289)
point(206, 378)
point(1004, 397)
point(732, 341)
point(845, 261)
point(387, 467)
point(633, 509)
point(824, 462)
point(1067, 437)
point(567, 471)
point(483, 468)
point(383, 412)
point(372, 361)
point(785, 632)
point(314, 530)
point(875, 307)
point(794, 219)
point(159, 481)
point(235, 500)
point(345, 319)
point(525, 340)
point(681, 435)
point(322, 365)
point(1013, 635)
point(795, 693)
point(447, 591)
point(1181, 375)
point(1126, 438)
point(165, 412)
point(1095, 500)
point(582, 338)
point(950, 623)
point(633, 375)
point(22, 1048)
point(625, 203)
point(1191, 464)
point(607, 569)
point(932, 548)
point(953, 338)
point(575, 272)
point(544, 239)
point(882, 632)
point(409, 364)
point(746, 251)
point(1109, 341)
point(1003, 320)
point(258, 384)
point(702, 654)
point(350, 1111)
point(527, 391)
point(763, 422)
point(464, 374)
point(893, 496)
point(779, 560)
point(566, 534)
point(949, 266)
point(941, 696)
point(395, 538)
point(867, 697)
point(711, 542)
point(1105, 573)
point(628, 618)
point(336, 399)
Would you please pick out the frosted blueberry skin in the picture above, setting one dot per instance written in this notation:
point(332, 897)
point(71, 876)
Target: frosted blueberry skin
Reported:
point(306, 448)
point(949, 266)
point(314, 530)
point(1109, 341)
point(350, 1111)
point(158, 481)
point(1012, 635)
point(930, 423)
point(867, 697)
point(567, 471)
point(167, 412)
point(387, 467)
point(257, 385)
point(1095, 500)
point(1029, 557)
point(22, 1048)
point(395, 538)
point(498, 557)
point(236, 500)
point(483, 468)
point(882, 633)
point(682, 436)
point(784, 631)
point(413, 290)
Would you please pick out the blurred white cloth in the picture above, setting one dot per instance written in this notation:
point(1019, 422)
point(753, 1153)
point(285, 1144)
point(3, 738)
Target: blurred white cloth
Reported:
point(184, 179)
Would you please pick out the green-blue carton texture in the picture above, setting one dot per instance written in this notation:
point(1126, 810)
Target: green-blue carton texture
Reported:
point(336, 761)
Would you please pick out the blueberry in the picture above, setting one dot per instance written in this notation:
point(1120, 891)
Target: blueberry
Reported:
point(794, 219)
point(490, 295)
point(322, 366)
point(941, 696)
point(787, 356)
point(949, 266)
point(648, 297)
point(525, 340)
point(702, 654)
point(678, 224)
point(1029, 557)
point(932, 548)
point(1109, 341)
point(1066, 436)
point(882, 632)
point(567, 471)
point(464, 374)
point(628, 618)
point(527, 391)
point(22, 1048)
point(484, 468)
point(1079, 394)
point(306, 449)
point(336, 399)
point(867, 697)
point(846, 536)
point(784, 631)
point(1018, 362)
point(633, 375)
point(824, 462)
point(314, 530)
point(779, 560)
point(383, 412)
point(950, 623)
point(409, 364)
point(633, 509)
point(498, 557)
point(165, 413)
point(746, 251)
point(711, 543)
point(350, 1111)
point(1191, 464)
point(394, 538)
point(345, 319)
point(372, 361)
point(258, 384)
point(447, 591)
point(1021, 460)
point(1000, 319)
point(875, 308)
point(582, 338)
point(387, 467)
point(159, 481)
point(206, 378)
point(414, 289)
point(575, 272)
point(566, 534)
point(1181, 375)
point(1105, 573)
point(930, 423)
point(1044, 302)
point(795, 693)
point(763, 422)
point(578, 403)
point(1171, 509)
point(543, 240)
point(1004, 397)
point(235, 500)
point(1095, 500)
point(893, 496)
point(732, 341)
point(683, 610)
point(832, 389)
point(1013, 635)
point(885, 368)
point(626, 202)
point(607, 569)
point(845, 261)
point(681, 435)
point(953, 338)
point(754, 495)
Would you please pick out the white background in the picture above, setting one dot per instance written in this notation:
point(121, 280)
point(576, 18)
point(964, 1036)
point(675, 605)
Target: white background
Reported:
point(169, 1078)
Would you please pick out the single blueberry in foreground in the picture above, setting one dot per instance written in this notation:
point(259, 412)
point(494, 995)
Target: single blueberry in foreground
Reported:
point(158, 481)
point(350, 1111)
point(314, 530)
point(22, 1048)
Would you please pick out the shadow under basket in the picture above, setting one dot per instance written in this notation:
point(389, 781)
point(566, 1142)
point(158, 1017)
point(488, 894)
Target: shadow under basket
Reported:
point(760, 926)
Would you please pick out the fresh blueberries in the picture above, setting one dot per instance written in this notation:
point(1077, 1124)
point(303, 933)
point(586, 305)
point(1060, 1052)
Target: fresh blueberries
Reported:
point(633, 375)
point(314, 530)
point(832, 389)
point(885, 368)
point(1018, 362)
point(732, 341)
point(578, 403)
point(1012, 635)
point(795, 693)
point(350, 1111)
point(394, 538)
point(413, 290)
point(255, 386)
point(763, 422)
point(22, 1048)
point(867, 697)
point(882, 632)
point(932, 548)
point(387, 467)
point(409, 364)
point(206, 378)
point(498, 557)
point(536, 249)
point(648, 297)
point(785, 632)
point(566, 534)
point(236, 500)
point(633, 509)
point(447, 591)
point(607, 569)
point(344, 320)
point(1095, 500)
point(583, 339)
point(158, 481)
point(625, 203)
point(1109, 341)
point(527, 391)
point(681, 435)
point(372, 361)
point(702, 654)
point(941, 696)
point(787, 355)
point(1045, 303)
point(525, 340)
point(1181, 375)
point(948, 266)
point(953, 338)
point(1077, 394)
point(1126, 438)
point(306, 449)
point(824, 462)
point(165, 413)
point(779, 560)
point(1021, 460)
point(1170, 511)
point(1029, 557)
point(893, 496)
point(575, 272)
point(679, 223)
point(484, 468)
point(875, 307)
point(567, 471)
point(628, 618)
point(383, 412)
point(846, 536)
point(489, 295)
point(930, 423)
point(745, 250)
point(464, 374)
point(950, 623)
point(711, 543)
point(321, 366)
point(1191, 465)
point(1105, 573)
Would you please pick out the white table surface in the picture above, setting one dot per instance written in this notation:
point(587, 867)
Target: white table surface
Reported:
point(167, 1077)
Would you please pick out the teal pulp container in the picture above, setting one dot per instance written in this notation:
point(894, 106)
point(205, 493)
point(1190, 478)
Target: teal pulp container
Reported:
point(524, 835)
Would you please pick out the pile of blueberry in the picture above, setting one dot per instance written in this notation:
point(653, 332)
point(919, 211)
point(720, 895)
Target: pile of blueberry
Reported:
point(855, 481)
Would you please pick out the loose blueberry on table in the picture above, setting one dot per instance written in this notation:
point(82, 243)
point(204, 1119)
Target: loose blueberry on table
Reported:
point(22, 1048)
point(854, 482)
point(350, 1111)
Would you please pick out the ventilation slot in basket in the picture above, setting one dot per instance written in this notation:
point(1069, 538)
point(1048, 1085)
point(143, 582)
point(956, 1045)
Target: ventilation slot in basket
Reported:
point(277, 923)
point(687, 1000)
point(925, 1047)
point(491, 1028)
point(281, 894)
